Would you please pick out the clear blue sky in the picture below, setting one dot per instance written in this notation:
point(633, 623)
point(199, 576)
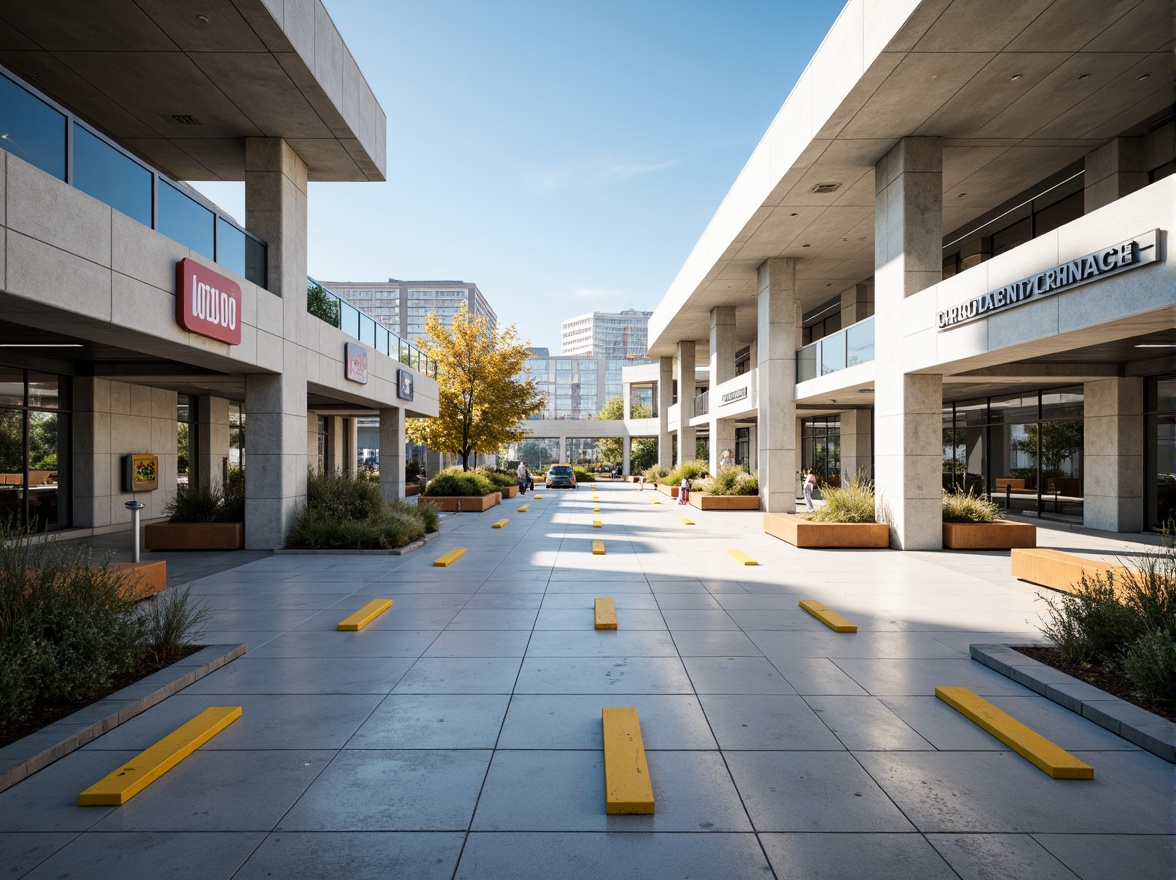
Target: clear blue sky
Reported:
point(565, 156)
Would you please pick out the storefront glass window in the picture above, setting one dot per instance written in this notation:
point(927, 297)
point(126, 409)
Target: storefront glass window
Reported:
point(34, 465)
point(230, 246)
point(185, 454)
point(111, 176)
point(236, 435)
point(821, 448)
point(1160, 437)
point(11, 387)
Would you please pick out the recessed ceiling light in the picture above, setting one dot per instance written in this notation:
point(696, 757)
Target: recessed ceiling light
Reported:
point(1156, 345)
point(1015, 77)
point(1145, 76)
point(806, 245)
point(1084, 77)
point(961, 195)
point(203, 18)
point(825, 188)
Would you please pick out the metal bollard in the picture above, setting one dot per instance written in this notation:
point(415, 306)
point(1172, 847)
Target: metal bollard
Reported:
point(134, 507)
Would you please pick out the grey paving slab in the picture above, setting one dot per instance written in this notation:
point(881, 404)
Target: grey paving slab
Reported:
point(817, 676)
point(1003, 792)
point(22, 851)
point(612, 856)
point(839, 856)
point(698, 619)
point(117, 856)
point(433, 721)
point(884, 677)
point(691, 601)
point(714, 643)
point(759, 722)
point(866, 724)
point(367, 643)
point(812, 791)
point(460, 675)
point(475, 643)
point(823, 642)
point(601, 643)
point(260, 619)
point(573, 721)
point(393, 619)
point(564, 791)
point(48, 800)
point(491, 618)
point(305, 675)
point(997, 856)
point(580, 601)
point(507, 601)
point(735, 675)
point(369, 855)
point(1113, 856)
point(216, 791)
point(610, 675)
point(583, 619)
point(391, 790)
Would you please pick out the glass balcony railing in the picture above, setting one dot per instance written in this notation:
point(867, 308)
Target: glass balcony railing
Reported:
point(702, 404)
point(46, 135)
point(847, 347)
point(326, 305)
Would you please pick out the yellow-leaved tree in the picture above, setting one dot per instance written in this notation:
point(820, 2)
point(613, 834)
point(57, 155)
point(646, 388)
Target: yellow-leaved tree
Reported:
point(484, 395)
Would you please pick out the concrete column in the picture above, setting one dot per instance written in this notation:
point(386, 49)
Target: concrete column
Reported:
point(687, 435)
point(1112, 465)
point(908, 237)
point(1115, 169)
point(350, 446)
point(722, 368)
point(665, 399)
point(336, 443)
point(777, 325)
point(212, 437)
point(856, 452)
point(275, 476)
point(626, 450)
point(392, 441)
point(92, 475)
point(855, 304)
point(563, 452)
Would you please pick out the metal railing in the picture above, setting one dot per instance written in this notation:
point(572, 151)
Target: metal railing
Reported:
point(847, 347)
point(328, 306)
point(702, 404)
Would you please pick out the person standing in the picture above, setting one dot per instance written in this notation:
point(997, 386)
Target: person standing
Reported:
point(726, 459)
point(524, 476)
point(684, 491)
point(810, 485)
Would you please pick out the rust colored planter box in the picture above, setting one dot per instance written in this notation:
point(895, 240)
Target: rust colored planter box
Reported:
point(997, 535)
point(672, 491)
point(194, 536)
point(510, 491)
point(411, 489)
point(141, 579)
point(723, 502)
point(800, 532)
point(469, 503)
point(1058, 570)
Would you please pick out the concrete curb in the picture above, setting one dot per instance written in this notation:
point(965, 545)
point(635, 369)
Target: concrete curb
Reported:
point(397, 551)
point(1145, 729)
point(36, 751)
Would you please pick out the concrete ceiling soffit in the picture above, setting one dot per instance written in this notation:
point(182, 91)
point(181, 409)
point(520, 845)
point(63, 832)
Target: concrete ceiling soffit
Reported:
point(224, 30)
point(179, 162)
point(980, 26)
point(1145, 27)
point(223, 158)
point(325, 151)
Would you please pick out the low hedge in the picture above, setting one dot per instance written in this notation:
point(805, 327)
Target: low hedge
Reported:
point(691, 470)
point(347, 513)
point(455, 481)
point(964, 507)
point(497, 476)
point(730, 480)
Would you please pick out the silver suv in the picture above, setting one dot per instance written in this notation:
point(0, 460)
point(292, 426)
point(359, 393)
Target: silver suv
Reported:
point(561, 476)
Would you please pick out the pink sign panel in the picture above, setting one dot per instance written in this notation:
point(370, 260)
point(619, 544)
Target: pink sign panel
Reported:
point(207, 302)
point(356, 360)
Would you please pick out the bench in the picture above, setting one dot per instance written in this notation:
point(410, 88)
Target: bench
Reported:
point(1058, 570)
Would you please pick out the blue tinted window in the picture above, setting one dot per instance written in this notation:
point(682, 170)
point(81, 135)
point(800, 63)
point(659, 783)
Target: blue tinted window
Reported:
point(255, 257)
point(183, 219)
point(349, 320)
point(111, 177)
point(31, 129)
point(230, 246)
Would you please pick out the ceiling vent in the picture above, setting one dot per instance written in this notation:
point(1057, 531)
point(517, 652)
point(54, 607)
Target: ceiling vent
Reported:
point(825, 188)
point(184, 119)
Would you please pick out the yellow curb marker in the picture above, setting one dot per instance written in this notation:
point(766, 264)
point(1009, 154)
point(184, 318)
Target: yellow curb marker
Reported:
point(627, 787)
point(1025, 741)
point(500, 524)
point(655, 501)
point(449, 558)
point(523, 509)
point(686, 522)
point(596, 510)
point(139, 772)
point(597, 524)
point(606, 613)
point(538, 497)
point(831, 619)
point(598, 548)
point(741, 557)
point(365, 615)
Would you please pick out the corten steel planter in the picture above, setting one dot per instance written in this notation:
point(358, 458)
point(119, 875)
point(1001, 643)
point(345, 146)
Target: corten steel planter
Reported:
point(510, 491)
point(469, 503)
point(411, 489)
point(703, 501)
point(800, 532)
point(672, 491)
point(138, 580)
point(1058, 570)
point(996, 535)
point(194, 536)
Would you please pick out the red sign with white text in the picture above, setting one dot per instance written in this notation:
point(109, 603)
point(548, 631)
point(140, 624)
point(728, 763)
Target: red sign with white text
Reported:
point(207, 302)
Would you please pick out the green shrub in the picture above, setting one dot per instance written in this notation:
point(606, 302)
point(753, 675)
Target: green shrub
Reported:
point(964, 507)
point(498, 478)
point(1150, 663)
point(426, 511)
point(655, 473)
point(348, 513)
point(174, 620)
point(202, 502)
point(692, 470)
point(1090, 624)
point(343, 497)
point(730, 480)
point(455, 481)
point(851, 503)
point(583, 475)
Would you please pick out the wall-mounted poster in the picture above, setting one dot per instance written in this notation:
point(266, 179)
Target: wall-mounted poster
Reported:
point(355, 362)
point(140, 472)
point(404, 380)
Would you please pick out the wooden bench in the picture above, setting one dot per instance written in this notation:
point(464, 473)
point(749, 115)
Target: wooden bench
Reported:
point(1058, 570)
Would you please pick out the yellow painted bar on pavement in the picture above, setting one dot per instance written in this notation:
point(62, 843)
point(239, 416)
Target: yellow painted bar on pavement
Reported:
point(606, 613)
point(1025, 741)
point(597, 524)
point(596, 510)
point(136, 774)
point(627, 786)
point(685, 521)
point(537, 497)
point(598, 548)
point(831, 619)
point(523, 509)
point(449, 558)
point(741, 557)
point(655, 501)
point(365, 615)
point(500, 524)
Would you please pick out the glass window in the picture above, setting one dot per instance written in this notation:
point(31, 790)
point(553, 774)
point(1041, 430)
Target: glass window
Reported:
point(230, 246)
point(832, 353)
point(11, 387)
point(236, 434)
point(1059, 213)
point(111, 176)
point(806, 363)
point(859, 342)
point(349, 319)
point(31, 129)
point(1011, 236)
point(255, 257)
point(185, 411)
point(183, 219)
point(43, 391)
point(33, 453)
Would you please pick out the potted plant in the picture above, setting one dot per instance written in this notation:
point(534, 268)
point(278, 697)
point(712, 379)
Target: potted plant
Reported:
point(202, 516)
point(847, 519)
point(458, 491)
point(972, 523)
point(732, 488)
point(506, 482)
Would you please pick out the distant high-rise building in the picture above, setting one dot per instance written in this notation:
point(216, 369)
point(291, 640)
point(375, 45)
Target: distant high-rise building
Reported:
point(402, 306)
point(607, 334)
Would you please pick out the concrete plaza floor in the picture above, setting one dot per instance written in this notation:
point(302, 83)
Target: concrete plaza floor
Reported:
point(459, 734)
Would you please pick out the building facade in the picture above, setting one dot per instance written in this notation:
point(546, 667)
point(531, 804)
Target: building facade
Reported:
point(145, 337)
point(623, 335)
point(947, 265)
point(402, 306)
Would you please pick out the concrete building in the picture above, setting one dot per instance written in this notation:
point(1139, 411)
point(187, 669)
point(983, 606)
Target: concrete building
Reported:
point(621, 335)
point(402, 306)
point(947, 264)
point(135, 315)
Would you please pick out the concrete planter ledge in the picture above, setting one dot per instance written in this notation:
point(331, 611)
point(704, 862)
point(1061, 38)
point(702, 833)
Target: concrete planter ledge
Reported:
point(995, 535)
point(672, 491)
point(1058, 570)
point(703, 501)
point(36, 751)
point(801, 532)
point(1138, 726)
point(194, 536)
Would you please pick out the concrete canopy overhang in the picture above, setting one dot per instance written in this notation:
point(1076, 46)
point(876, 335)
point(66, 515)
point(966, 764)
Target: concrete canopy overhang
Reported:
point(183, 84)
point(1016, 90)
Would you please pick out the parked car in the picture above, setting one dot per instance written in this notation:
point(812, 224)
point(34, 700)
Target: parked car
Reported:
point(561, 476)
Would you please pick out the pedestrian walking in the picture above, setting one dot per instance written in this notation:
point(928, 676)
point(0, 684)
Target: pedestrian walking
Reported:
point(810, 485)
point(684, 491)
point(524, 477)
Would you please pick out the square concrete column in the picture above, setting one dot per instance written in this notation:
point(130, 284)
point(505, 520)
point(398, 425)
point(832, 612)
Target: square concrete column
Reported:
point(687, 435)
point(212, 438)
point(778, 317)
point(908, 257)
point(665, 399)
point(92, 475)
point(1116, 169)
point(856, 451)
point(350, 446)
point(722, 369)
point(856, 304)
point(275, 405)
point(392, 441)
point(336, 443)
point(626, 451)
point(1112, 465)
